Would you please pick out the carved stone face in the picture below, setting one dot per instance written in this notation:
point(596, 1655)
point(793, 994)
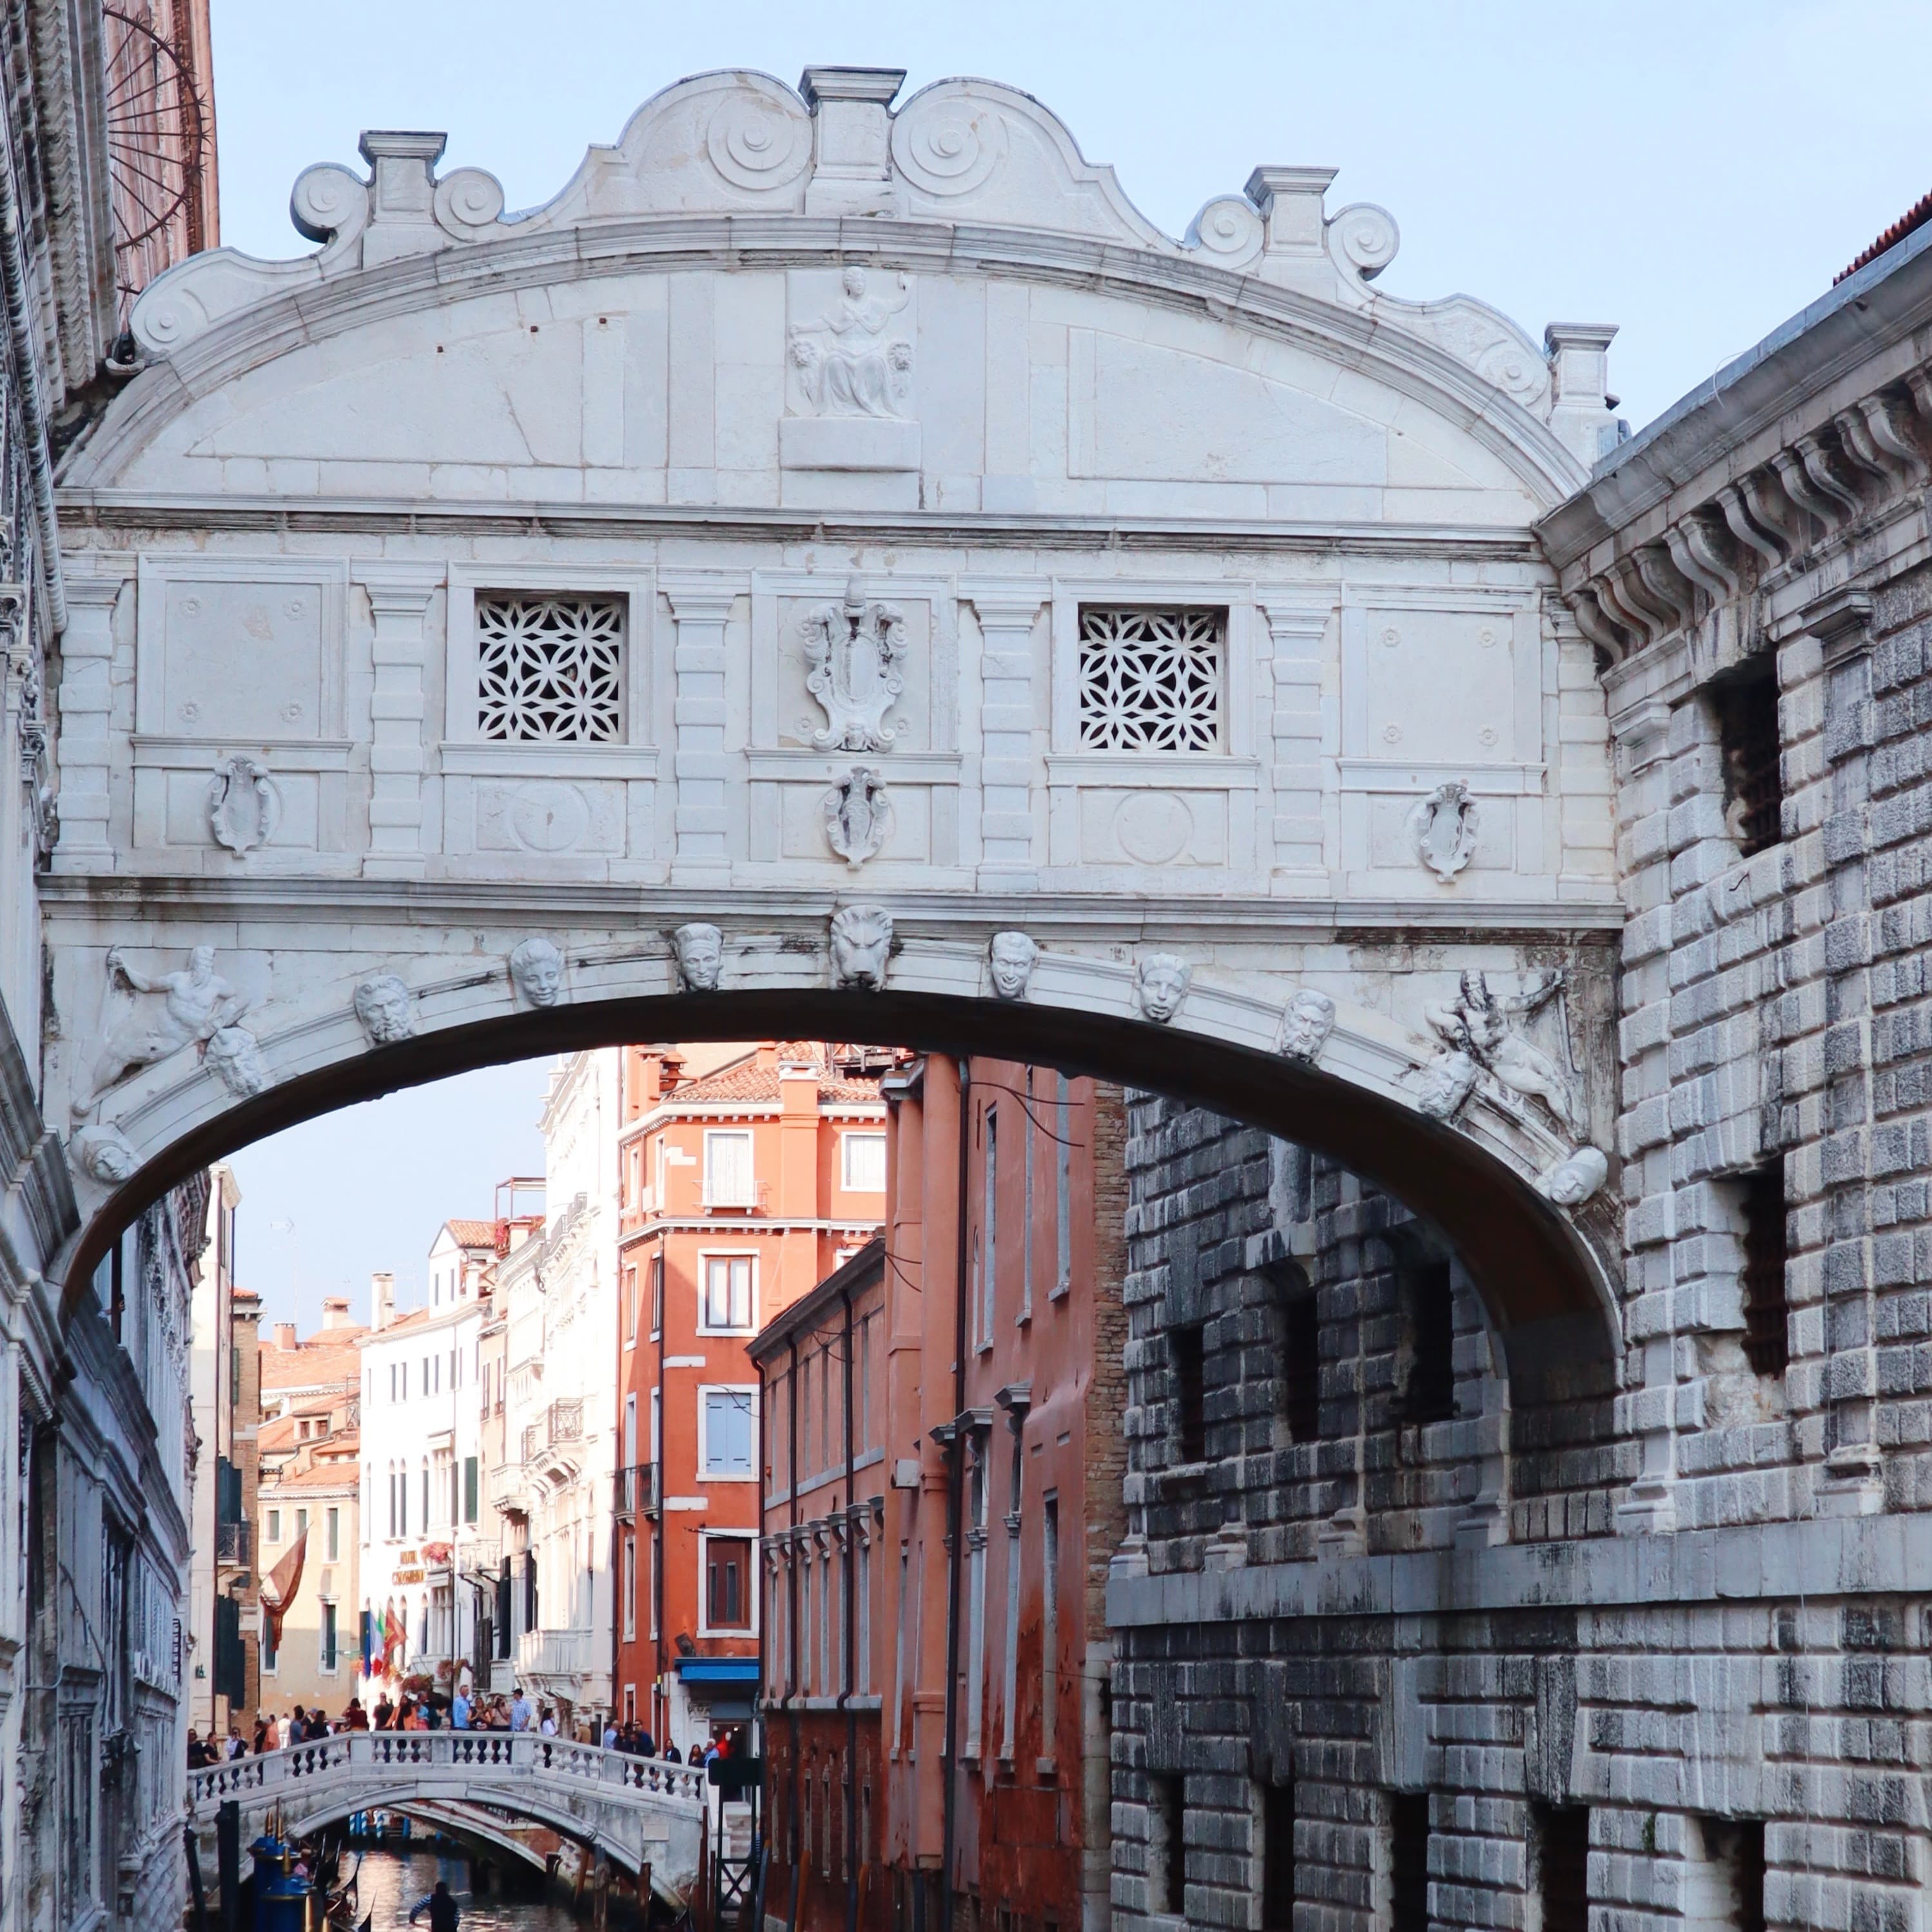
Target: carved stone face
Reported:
point(1309, 1020)
point(855, 283)
point(1571, 1182)
point(382, 1006)
point(536, 971)
point(1009, 960)
point(201, 962)
point(699, 950)
point(104, 1155)
point(862, 943)
point(1160, 982)
point(235, 1059)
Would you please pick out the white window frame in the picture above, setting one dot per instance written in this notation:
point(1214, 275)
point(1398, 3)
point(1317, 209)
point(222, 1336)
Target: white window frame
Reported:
point(872, 1137)
point(705, 1391)
point(750, 1628)
point(323, 1669)
point(706, 1256)
point(714, 1135)
point(272, 1530)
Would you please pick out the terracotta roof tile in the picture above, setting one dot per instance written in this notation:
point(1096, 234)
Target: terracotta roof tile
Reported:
point(746, 1080)
point(315, 1363)
point(472, 1234)
point(1914, 218)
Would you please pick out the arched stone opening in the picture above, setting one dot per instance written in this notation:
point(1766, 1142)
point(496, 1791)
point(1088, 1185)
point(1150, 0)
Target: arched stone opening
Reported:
point(1542, 1275)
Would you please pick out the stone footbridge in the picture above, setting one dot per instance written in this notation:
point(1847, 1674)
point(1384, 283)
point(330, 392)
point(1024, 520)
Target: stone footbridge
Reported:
point(641, 1812)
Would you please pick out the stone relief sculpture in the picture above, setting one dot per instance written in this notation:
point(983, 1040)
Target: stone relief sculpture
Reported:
point(858, 816)
point(1305, 1026)
point(1010, 958)
point(698, 950)
point(245, 804)
point(1443, 1085)
point(854, 649)
point(536, 971)
point(1160, 985)
point(234, 1057)
point(847, 365)
point(194, 1006)
point(382, 1004)
point(1476, 1023)
point(862, 945)
point(1570, 1181)
point(104, 1154)
point(1442, 829)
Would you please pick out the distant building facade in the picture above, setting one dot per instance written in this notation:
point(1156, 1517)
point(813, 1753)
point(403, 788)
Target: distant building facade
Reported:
point(945, 1456)
point(747, 1174)
point(422, 1473)
point(308, 1518)
point(552, 1490)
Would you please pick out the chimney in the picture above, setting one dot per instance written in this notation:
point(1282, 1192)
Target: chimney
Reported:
point(382, 1300)
point(283, 1335)
point(335, 1311)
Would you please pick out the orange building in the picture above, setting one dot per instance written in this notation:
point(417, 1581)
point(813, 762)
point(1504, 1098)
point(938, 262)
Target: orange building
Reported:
point(936, 1703)
point(746, 1174)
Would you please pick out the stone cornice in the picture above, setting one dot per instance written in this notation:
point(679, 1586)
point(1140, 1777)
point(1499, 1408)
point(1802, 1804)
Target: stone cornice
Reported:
point(1827, 1557)
point(194, 897)
point(152, 511)
point(1358, 339)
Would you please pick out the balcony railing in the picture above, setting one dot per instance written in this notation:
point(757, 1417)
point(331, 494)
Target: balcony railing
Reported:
point(637, 1489)
point(234, 1543)
point(553, 1653)
point(566, 1420)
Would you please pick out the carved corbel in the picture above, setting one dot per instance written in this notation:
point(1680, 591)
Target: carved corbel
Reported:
point(1667, 584)
point(1633, 605)
point(1597, 626)
point(1768, 540)
point(1820, 460)
point(1827, 506)
point(1919, 384)
point(1860, 451)
point(1708, 560)
point(1774, 499)
point(1889, 426)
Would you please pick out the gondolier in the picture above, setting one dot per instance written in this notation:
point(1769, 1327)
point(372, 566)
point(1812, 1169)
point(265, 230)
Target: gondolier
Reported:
point(443, 1915)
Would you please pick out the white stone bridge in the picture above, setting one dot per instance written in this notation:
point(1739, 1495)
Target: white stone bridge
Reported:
point(903, 529)
point(642, 1813)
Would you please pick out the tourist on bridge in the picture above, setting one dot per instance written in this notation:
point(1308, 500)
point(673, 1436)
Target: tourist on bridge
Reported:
point(197, 1752)
point(520, 1713)
point(459, 1711)
point(443, 1915)
point(237, 1746)
point(265, 1739)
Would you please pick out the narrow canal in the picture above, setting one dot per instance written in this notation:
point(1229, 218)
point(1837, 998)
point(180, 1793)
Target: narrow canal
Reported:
point(390, 1883)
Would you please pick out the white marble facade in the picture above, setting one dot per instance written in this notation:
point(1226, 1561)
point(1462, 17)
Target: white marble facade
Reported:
point(740, 533)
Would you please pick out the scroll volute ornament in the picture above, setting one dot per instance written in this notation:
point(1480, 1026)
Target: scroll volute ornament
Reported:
point(855, 650)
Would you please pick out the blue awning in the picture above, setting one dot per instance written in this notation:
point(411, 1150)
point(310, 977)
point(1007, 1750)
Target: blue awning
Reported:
point(717, 1670)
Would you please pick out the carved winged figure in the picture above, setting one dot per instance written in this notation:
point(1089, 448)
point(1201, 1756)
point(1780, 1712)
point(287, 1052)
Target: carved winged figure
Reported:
point(854, 649)
point(196, 1004)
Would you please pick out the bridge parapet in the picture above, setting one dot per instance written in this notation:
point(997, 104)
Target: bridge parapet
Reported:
point(641, 1810)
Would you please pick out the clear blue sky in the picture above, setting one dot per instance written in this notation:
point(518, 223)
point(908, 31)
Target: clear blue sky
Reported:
point(1695, 170)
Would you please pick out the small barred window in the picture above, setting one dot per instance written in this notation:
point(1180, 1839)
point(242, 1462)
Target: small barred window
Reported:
point(1150, 680)
point(550, 669)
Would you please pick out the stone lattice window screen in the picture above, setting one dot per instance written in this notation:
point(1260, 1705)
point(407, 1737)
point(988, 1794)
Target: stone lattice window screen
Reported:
point(1150, 679)
point(550, 669)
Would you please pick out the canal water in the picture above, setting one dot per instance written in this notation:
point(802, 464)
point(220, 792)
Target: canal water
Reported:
point(389, 1882)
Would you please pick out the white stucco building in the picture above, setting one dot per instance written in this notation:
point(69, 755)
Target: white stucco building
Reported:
point(422, 1477)
point(552, 1489)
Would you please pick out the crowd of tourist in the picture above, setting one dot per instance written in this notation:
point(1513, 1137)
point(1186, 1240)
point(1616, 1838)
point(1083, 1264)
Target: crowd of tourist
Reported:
point(433, 1711)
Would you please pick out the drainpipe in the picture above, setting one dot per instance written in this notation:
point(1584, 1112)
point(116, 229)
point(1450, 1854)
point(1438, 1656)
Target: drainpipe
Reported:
point(796, 1852)
point(955, 1451)
point(851, 1649)
point(33, 412)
